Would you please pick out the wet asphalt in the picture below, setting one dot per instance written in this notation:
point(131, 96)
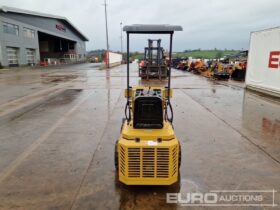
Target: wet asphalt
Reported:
point(60, 154)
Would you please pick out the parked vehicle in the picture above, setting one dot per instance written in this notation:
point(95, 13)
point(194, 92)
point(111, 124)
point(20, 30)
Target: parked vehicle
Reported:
point(153, 65)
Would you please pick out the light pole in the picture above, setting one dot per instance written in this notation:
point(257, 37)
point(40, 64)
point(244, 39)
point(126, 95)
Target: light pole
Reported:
point(107, 39)
point(121, 39)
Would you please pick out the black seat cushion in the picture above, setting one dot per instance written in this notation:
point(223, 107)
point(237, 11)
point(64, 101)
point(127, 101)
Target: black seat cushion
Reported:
point(148, 112)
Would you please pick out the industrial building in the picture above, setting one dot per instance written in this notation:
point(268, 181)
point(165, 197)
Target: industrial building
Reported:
point(32, 38)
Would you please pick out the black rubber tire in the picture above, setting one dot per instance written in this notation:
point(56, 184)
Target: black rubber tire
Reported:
point(180, 156)
point(123, 120)
point(116, 156)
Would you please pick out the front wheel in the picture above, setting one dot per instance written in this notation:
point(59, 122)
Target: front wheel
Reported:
point(116, 156)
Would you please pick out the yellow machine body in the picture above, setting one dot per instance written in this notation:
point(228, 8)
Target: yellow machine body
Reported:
point(147, 151)
point(148, 156)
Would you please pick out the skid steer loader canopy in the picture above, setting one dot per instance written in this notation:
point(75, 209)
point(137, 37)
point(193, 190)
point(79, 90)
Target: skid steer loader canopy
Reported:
point(150, 29)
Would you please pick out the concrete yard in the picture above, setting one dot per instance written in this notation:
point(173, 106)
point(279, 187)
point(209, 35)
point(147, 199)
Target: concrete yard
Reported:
point(57, 151)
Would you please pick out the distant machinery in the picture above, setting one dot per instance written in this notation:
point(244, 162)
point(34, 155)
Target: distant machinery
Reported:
point(153, 65)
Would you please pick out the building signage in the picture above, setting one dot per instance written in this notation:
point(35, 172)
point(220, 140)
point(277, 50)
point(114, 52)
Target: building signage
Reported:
point(60, 27)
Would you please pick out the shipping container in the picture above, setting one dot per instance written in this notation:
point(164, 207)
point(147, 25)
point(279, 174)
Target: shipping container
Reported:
point(114, 58)
point(263, 72)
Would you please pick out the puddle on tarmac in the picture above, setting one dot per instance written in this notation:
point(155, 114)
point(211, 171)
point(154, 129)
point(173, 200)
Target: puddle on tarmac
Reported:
point(152, 196)
point(53, 78)
point(262, 116)
point(66, 97)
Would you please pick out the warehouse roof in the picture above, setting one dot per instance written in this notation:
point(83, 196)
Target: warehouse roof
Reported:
point(141, 28)
point(27, 12)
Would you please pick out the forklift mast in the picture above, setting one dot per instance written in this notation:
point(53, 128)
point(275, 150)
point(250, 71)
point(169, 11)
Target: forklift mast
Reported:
point(154, 55)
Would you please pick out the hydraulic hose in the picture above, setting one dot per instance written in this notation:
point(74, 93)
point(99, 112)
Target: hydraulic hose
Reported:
point(171, 111)
point(125, 111)
point(127, 108)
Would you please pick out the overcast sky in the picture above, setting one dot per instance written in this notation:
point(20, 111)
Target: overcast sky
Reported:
point(207, 24)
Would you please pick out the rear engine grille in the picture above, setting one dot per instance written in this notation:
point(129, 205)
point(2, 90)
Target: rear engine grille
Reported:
point(122, 160)
point(174, 160)
point(150, 162)
point(134, 162)
point(162, 162)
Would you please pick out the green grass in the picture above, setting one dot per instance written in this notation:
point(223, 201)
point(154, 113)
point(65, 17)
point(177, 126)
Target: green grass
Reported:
point(209, 54)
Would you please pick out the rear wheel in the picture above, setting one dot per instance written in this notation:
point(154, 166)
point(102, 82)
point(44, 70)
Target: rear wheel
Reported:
point(116, 156)
point(180, 156)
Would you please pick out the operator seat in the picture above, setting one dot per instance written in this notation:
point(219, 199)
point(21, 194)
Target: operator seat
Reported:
point(148, 109)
